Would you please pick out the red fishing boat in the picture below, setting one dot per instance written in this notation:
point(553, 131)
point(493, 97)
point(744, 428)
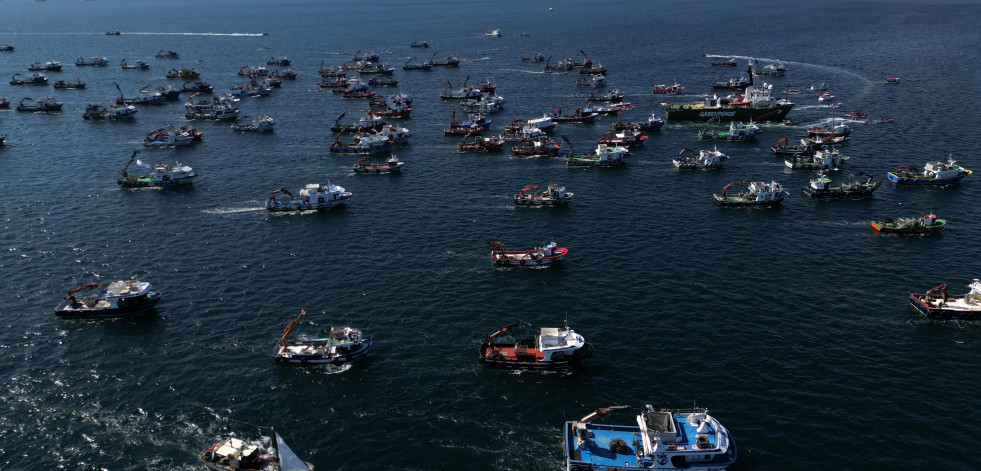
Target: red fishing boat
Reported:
point(626, 138)
point(540, 147)
point(550, 253)
point(551, 348)
point(480, 144)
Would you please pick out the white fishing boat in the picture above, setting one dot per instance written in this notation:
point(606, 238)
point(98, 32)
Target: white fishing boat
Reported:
point(342, 345)
point(160, 175)
point(167, 136)
point(312, 198)
point(247, 123)
point(554, 195)
point(234, 454)
point(704, 159)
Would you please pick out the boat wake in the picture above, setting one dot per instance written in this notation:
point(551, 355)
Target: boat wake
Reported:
point(198, 34)
point(335, 369)
point(231, 210)
point(865, 80)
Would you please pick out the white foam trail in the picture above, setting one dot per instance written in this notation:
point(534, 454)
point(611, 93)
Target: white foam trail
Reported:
point(865, 80)
point(196, 34)
point(231, 210)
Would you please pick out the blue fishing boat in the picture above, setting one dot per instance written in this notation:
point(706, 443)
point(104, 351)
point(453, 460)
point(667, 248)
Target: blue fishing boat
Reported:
point(314, 197)
point(933, 173)
point(661, 439)
point(117, 298)
point(342, 345)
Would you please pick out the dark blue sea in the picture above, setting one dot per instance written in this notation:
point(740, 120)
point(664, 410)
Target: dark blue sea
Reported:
point(791, 325)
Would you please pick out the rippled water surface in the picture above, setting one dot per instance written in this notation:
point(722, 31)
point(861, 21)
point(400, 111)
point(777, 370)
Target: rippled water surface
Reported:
point(790, 324)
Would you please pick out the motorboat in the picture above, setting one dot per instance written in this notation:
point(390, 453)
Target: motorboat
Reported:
point(938, 303)
point(121, 297)
point(342, 345)
point(928, 224)
point(760, 194)
point(820, 188)
point(235, 454)
point(548, 254)
point(554, 195)
point(312, 198)
point(553, 347)
point(392, 165)
point(933, 173)
point(161, 175)
point(706, 159)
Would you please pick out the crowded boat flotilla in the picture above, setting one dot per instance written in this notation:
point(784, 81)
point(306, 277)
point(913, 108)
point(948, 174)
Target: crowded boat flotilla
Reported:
point(217, 224)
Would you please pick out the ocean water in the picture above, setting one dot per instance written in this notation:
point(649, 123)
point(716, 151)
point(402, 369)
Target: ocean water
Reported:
point(790, 325)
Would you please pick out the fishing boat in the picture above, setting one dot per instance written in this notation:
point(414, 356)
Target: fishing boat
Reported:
point(252, 71)
point(938, 303)
point(518, 129)
point(368, 122)
point(376, 69)
point(480, 143)
point(753, 104)
point(64, 85)
point(603, 156)
point(281, 61)
point(285, 74)
point(145, 97)
point(541, 146)
point(196, 87)
point(392, 165)
point(892, 79)
point(399, 136)
point(757, 194)
point(464, 93)
point(653, 123)
point(595, 81)
point(806, 148)
point(422, 66)
point(234, 454)
point(247, 123)
point(928, 224)
point(168, 92)
point(533, 57)
point(612, 96)
point(859, 117)
point(607, 108)
point(554, 195)
point(33, 78)
point(775, 70)
point(662, 439)
point(6, 48)
point(113, 33)
point(578, 116)
point(117, 298)
point(553, 347)
point(48, 66)
point(662, 89)
point(735, 83)
point(167, 136)
point(4, 103)
point(342, 345)
point(162, 175)
point(111, 113)
point(94, 61)
point(730, 62)
point(821, 188)
point(184, 73)
point(835, 130)
point(218, 107)
point(625, 138)
point(548, 254)
point(41, 104)
point(736, 132)
point(706, 159)
point(448, 61)
point(544, 123)
point(167, 55)
point(475, 125)
point(493, 32)
point(823, 159)
point(933, 173)
point(366, 144)
point(422, 44)
point(383, 82)
point(139, 65)
point(314, 197)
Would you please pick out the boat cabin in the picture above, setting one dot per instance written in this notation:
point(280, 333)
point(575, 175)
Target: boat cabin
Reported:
point(939, 169)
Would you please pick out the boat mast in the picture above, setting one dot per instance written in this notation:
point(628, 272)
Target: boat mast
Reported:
point(125, 175)
point(289, 328)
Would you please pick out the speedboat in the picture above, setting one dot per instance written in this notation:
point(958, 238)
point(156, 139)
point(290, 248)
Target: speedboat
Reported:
point(342, 345)
point(234, 454)
point(662, 439)
point(312, 198)
point(115, 299)
point(940, 304)
point(548, 254)
point(161, 175)
point(551, 348)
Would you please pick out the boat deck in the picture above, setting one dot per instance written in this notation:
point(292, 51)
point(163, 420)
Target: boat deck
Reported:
point(956, 307)
point(597, 452)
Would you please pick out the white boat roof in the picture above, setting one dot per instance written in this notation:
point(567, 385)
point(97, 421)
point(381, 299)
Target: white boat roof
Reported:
point(230, 447)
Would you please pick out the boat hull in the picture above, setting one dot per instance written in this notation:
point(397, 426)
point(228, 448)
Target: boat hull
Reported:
point(925, 181)
point(318, 359)
point(837, 194)
point(702, 114)
point(67, 309)
point(578, 355)
point(733, 201)
point(521, 258)
point(297, 206)
point(141, 183)
point(954, 308)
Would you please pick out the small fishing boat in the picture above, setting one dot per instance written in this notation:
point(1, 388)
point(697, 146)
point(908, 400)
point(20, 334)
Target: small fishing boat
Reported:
point(33, 78)
point(376, 69)
point(162, 175)
point(234, 454)
point(332, 71)
point(541, 146)
point(706, 159)
point(281, 61)
point(367, 144)
point(117, 298)
point(218, 107)
point(533, 57)
point(933, 173)
point(41, 104)
point(757, 194)
point(578, 116)
point(938, 303)
point(253, 71)
point(595, 81)
point(839, 130)
point(383, 82)
point(247, 123)
point(662, 89)
point(735, 83)
point(356, 93)
point(625, 138)
point(544, 123)
point(49, 66)
point(168, 92)
point(730, 62)
point(807, 148)
point(94, 61)
point(369, 121)
point(607, 108)
point(737, 132)
point(480, 143)
point(146, 97)
point(167, 55)
point(892, 79)
point(859, 117)
point(422, 66)
point(76, 85)
point(928, 224)
point(680, 439)
point(553, 347)
point(314, 197)
point(603, 156)
point(4, 103)
point(184, 73)
point(392, 165)
point(342, 345)
point(448, 61)
point(422, 44)
point(167, 137)
point(139, 65)
point(285, 74)
point(774, 70)
point(111, 113)
point(6, 48)
point(518, 130)
point(196, 87)
point(399, 136)
point(475, 125)
point(554, 195)
point(612, 96)
point(653, 123)
point(548, 254)
point(113, 33)
point(493, 32)
point(821, 188)
point(823, 159)
point(464, 93)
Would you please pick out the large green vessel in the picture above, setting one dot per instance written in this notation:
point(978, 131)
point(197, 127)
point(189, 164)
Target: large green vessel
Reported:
point(754, 104)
